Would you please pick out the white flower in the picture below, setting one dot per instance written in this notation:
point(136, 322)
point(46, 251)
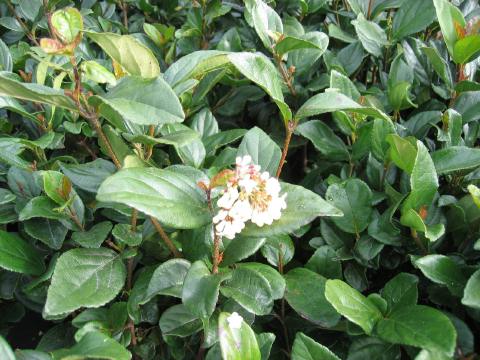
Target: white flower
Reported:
point(241, 210)
point(235, 321)
point(249, 195)
point(228, 198)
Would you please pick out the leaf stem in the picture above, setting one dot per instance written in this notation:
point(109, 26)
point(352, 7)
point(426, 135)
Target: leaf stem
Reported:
point(290, 128)
point(149, 150)
point(165, 238)
point(369, 13)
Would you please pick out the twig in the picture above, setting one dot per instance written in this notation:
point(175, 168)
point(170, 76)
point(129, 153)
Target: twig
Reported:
point(289, 131)
point(149, 150)
point(418, 241)
point(29, 34)
point(369, 13)
point(286, 77)
point(165, 237)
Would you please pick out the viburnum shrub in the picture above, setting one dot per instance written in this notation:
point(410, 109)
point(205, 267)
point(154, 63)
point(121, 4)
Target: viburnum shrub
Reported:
point(239, 180)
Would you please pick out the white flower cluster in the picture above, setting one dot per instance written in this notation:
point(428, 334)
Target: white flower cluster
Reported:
point(249, 195)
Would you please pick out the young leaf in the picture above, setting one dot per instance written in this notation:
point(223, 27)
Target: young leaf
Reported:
point(67, 24)
point(133, 56)
point(371, 35)
point(449, 18)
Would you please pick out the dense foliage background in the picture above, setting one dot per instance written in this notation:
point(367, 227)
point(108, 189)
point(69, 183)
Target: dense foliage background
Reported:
point(118, 119)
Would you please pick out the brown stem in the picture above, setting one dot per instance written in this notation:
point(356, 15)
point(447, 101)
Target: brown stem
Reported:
point(73, 215)
point(78, 80)
point(113, 246)
point(216, 252)
point(369, 13)
point(95, 124)
point(165, 238)
point(133, 222)
point(149, 152)
point(286, 77)
point(29, 34)
point(124, 6)
point(289, 129)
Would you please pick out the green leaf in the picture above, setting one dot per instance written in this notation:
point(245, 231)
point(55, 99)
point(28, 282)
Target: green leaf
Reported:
point(260, 70)
point(135, 100)
point(171, 197)
point(67, 23)
point(412, 219)
point(412, 17)
point(302, 207)
point(278, 247)
point(471, 294)
point(304, 59)
point(19, 256)
point(6, 352)
point(200, 290)
point(324, 140)
point(343, 84)
point(88, 176)
point(290, 43)
point(439, 65)
point(325, 262)
point(250, 289)
point(354, 198)
point(95, 236)
point(123, 233)
point(265, 20)
point(93, 71)
point(419, 326)
point(423, 181)
point(442, 270)
point(179, 321)
point(274, 278)
point(466, 49)
point(84, 278)
point(448, 15)
point(50, 232)
point(41, 207)
point(305, 294)
point(133, 56)
point(401, 291)
point(334, 101)
point(263, 150)
point(94, 345)
point(305, 348)
point(166, 279)
point(241, 248)
point(6, 63)
point(237, 343)
point(456, 158)
point(34, 92)
point(371, 35)
point(353, 305)
point(403, 152)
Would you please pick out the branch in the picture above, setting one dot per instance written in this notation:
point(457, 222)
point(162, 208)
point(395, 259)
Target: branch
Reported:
point(165, 237)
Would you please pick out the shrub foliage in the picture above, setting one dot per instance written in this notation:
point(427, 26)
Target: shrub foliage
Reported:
point(140, 215)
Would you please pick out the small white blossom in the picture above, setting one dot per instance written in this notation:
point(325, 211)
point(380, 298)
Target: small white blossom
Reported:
point(235, 321)
point(249, 195)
